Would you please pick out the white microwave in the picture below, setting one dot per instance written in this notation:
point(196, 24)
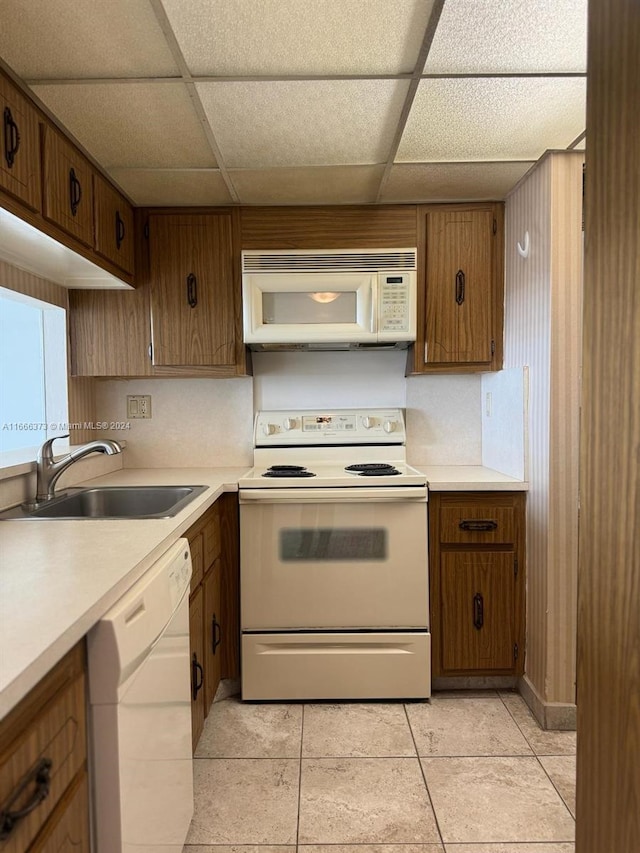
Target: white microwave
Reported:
point(294, 299)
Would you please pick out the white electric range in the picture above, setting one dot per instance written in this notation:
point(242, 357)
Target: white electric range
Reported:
point(334, 573)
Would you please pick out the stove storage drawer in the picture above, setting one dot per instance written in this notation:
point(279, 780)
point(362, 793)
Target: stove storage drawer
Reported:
point(336, 666)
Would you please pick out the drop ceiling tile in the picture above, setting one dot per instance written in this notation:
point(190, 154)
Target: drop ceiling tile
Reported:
point(131, 124)
point(151, 187)
point(428, 182)
point(265, 37)
point(512, 118)
point(308, 185)
point(515, 36)
point(87, 38)
point(303, 123)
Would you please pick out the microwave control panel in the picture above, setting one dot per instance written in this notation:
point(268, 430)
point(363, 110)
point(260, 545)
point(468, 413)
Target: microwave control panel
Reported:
point(396, 298)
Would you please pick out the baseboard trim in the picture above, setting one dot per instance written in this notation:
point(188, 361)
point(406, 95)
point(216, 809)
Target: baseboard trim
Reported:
point(474, 682)
point(552, 716)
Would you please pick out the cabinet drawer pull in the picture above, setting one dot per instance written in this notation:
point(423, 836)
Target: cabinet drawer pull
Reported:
point(460, 282)
point(120, 229)
point(478, 610)
point(216, 634)
point(75, 192)
point(197, 677)
point(192, 290)
point(11, 138)
point(479, 525)
point(41, 775)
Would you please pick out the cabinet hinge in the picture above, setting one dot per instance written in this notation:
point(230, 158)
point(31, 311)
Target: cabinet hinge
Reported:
point(146, 230)
point(515, 567)
point(150, 351)
point(495, 226)
point(515, 651)
point(426, 353)
point(493, 347)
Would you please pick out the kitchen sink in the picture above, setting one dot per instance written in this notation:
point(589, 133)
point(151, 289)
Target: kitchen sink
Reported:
point(110, 502)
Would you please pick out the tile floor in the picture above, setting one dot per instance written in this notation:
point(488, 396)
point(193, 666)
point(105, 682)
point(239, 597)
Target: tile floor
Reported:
point(463, 773)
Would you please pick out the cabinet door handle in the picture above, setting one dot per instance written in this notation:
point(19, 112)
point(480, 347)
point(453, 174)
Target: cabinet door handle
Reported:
point(192, 290)
point(478, 525)
point(460, 282)
point(216, 634)
point(11, 137)
point(75, 192)
point(120, 229)
point(478, 610)
point(197, 677)
point(41, 775)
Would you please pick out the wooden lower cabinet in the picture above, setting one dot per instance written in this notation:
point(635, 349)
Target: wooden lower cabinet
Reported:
point(43, 762)
point(213, 607)
point(477, 583)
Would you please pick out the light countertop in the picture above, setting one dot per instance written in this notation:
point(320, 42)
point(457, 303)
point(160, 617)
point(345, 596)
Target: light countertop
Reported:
point(58, 578)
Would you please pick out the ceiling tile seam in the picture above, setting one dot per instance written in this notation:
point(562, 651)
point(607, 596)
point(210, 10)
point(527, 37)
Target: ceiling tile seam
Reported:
point(500, 75)
point(172, 42)
point(461, 162)
point(427, 41)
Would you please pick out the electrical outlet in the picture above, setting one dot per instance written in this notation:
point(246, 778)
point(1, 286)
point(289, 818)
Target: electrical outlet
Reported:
point(138, 405)
point(487, 404)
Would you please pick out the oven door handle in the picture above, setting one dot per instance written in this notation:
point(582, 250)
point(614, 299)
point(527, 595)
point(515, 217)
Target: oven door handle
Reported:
point(296, 495)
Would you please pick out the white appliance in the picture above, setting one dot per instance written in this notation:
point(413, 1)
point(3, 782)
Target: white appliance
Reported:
point(333, 560)
point(329, 299)
point(140, 713)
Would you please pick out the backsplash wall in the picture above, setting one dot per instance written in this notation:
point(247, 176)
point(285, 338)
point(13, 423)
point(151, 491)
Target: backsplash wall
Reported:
point(209, 421)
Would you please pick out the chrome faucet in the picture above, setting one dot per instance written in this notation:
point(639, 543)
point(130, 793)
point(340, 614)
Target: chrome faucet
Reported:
point(48, 471)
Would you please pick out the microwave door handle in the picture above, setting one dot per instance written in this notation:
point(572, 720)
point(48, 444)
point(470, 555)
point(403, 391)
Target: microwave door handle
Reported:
point(374, 303)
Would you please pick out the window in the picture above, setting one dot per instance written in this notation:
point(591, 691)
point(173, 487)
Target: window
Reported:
point(33, 371)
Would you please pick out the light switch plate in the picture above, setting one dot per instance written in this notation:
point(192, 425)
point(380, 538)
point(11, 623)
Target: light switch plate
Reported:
point(138, 405)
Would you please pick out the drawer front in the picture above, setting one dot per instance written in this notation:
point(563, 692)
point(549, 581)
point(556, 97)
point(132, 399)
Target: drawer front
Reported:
point(58, 736)
point(20, 151)
point(68, 187)
point(196, 545)
point(488, 524)
point(68, 829)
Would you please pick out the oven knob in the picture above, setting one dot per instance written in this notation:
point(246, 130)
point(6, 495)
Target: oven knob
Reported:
point(368, 422)
point(268, 429)
point(290, 423)
point(389, 426)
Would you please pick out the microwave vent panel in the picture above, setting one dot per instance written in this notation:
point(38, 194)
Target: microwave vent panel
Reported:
point(349, 260)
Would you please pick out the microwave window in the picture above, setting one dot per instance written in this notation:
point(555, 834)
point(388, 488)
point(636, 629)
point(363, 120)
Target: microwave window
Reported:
point(318, 308)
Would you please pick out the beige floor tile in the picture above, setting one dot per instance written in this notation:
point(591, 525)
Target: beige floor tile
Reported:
point(356, 730)
point(453, 725)
point(364, 801)
point(236, 729)
point(511, 847)
point(245, 801)
point(562, 772)
point(369, 848)
point(495, 799)
point(238, 848)
point(541, 742)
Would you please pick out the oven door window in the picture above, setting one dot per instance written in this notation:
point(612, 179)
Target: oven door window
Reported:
point(342, 543)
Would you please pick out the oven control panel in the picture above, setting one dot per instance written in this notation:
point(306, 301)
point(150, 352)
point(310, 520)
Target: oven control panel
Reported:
point(341, 426)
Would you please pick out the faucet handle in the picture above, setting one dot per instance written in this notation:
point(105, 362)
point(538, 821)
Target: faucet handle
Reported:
point(46, 451)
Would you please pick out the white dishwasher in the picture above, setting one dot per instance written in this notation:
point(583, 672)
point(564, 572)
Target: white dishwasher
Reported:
point(140, 713)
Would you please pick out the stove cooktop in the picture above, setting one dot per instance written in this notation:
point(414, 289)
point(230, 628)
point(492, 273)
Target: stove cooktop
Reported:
point(326, 474)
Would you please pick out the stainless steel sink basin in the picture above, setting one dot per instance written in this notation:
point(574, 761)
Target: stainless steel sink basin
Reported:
point(111, 502)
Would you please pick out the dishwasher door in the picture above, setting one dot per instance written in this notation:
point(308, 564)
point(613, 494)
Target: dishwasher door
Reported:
point(140, 715)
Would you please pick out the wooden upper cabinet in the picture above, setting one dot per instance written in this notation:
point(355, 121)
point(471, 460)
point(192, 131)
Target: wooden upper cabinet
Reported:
point(114, 230)
point(192, 290)
point(20, 156)
point(68, 186)
point(460, 299)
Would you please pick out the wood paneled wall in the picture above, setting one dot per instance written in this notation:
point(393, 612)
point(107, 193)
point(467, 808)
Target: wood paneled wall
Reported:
point(542, 331)
point(608, 792)
point(81, 392)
